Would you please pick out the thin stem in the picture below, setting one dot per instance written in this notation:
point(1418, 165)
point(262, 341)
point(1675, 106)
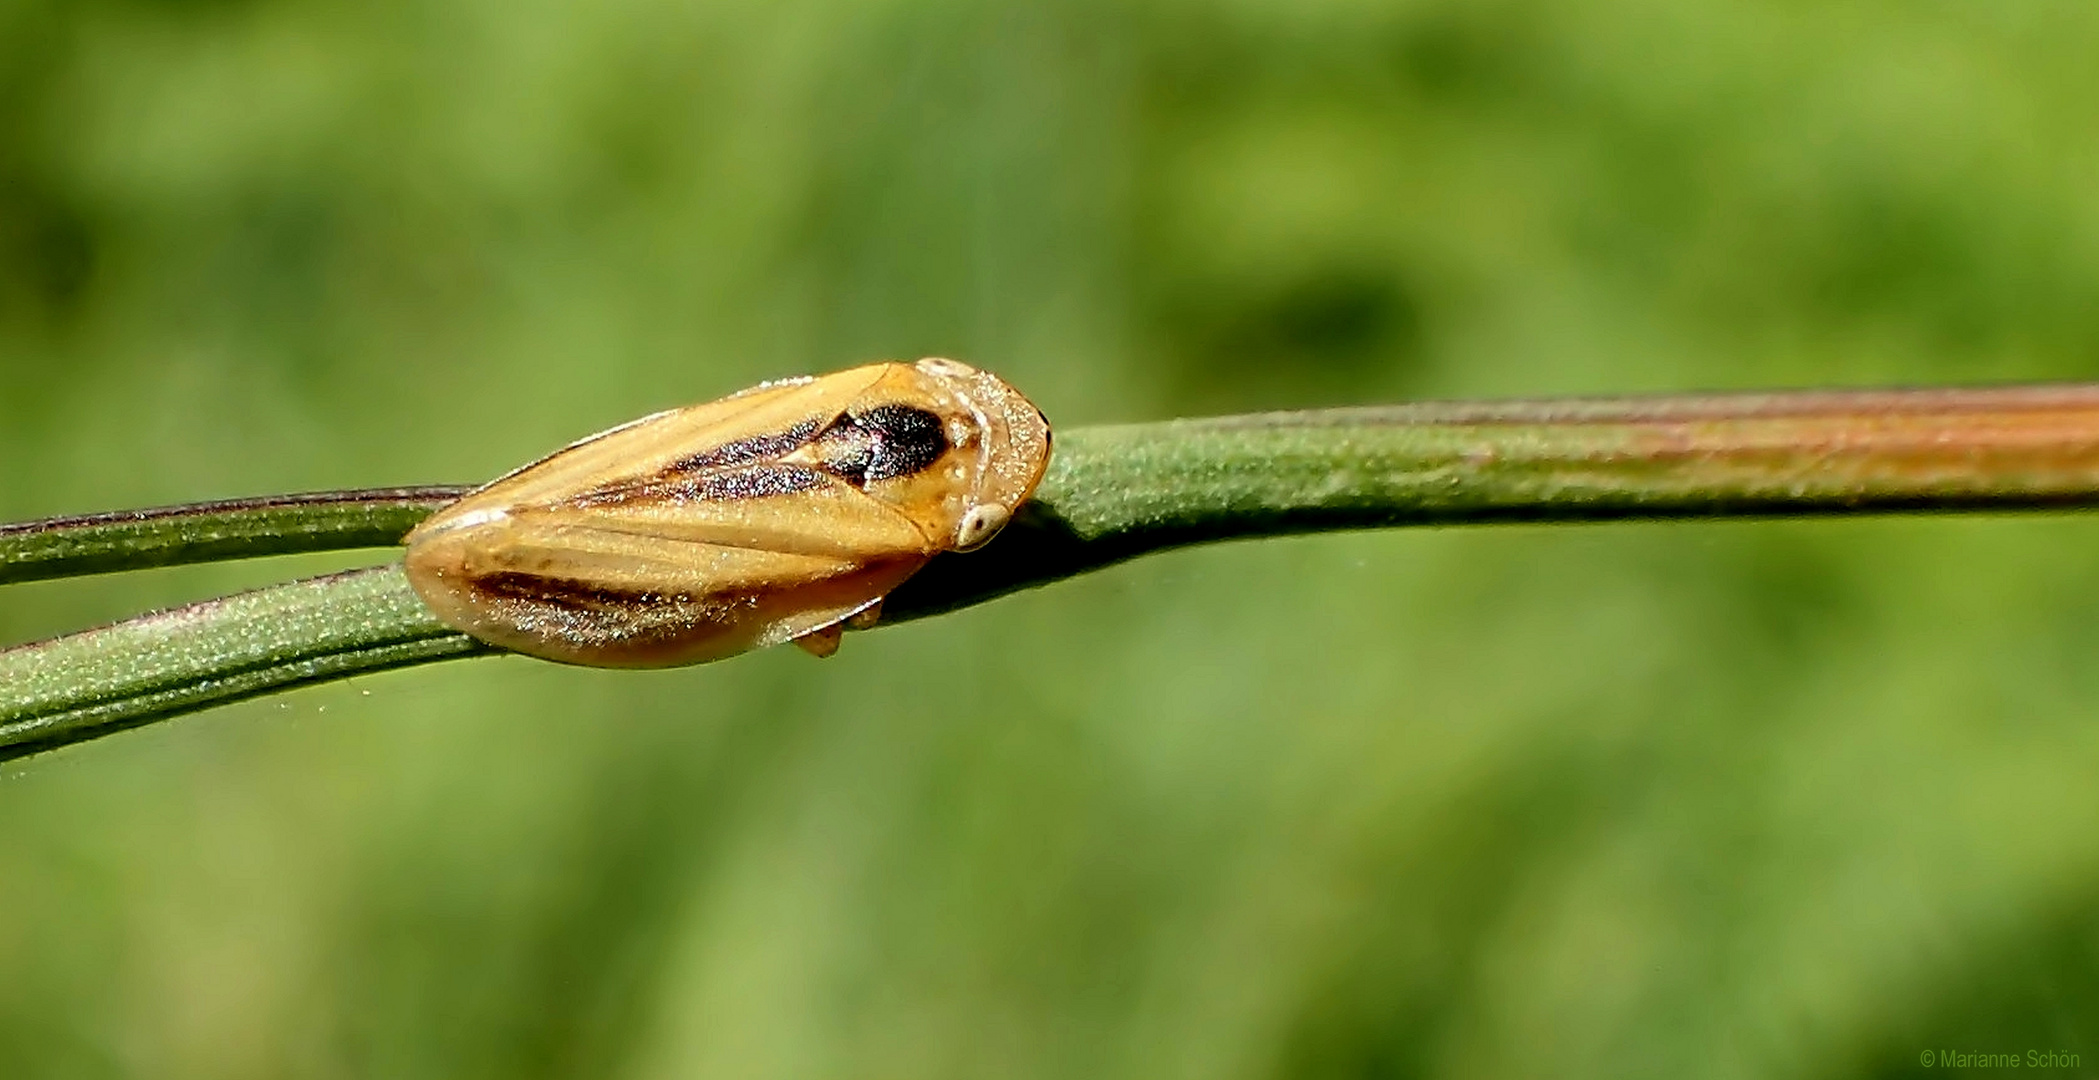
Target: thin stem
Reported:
point(83, 685)
point(208, 532)
point(1114, 493)
point(1117, 492)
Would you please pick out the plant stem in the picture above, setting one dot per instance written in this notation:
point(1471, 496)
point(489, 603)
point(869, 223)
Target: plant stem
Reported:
point(1111, 494)
point(83, 685)
point(1114, 493)
point(208, 532)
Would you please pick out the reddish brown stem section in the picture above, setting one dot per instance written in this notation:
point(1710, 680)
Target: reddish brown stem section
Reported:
point(1115, 493)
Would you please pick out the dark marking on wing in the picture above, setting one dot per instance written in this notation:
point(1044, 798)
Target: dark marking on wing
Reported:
point(738, 469)
point(881, 443)
point(746, 450)
point(565, 592)
point(720, 484)
point(907, 440)
point(753, 482)
point(845, 450)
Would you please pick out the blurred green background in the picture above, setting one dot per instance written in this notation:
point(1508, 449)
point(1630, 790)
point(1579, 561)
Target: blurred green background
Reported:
point(1745, 800)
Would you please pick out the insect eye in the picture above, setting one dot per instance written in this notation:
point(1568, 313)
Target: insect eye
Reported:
point(979, 525)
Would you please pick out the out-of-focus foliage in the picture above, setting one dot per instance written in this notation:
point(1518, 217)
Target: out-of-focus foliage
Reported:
point(1744, 800)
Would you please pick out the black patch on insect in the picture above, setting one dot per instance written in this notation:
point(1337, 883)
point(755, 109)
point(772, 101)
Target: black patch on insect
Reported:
point(750, 482)
point(746, 482)
point(746, 450)
point(882, 443)
point(563, 592)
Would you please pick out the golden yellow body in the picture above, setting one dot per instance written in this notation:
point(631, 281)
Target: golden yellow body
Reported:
point(770, 515)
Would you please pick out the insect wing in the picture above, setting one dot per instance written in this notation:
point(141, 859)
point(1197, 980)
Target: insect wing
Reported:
point(685, 536)
point(740, 428)
point(580, 594)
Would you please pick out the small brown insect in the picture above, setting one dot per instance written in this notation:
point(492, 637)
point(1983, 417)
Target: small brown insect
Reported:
point(775, 514)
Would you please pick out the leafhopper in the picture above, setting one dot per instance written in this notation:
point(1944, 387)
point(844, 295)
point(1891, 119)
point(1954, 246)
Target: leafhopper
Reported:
point(776, 514)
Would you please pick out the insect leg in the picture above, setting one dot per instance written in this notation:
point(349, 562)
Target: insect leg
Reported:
point(822, 641)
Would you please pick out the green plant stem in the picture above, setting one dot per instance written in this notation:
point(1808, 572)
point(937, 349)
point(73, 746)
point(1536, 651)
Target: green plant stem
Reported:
point(208, 532)
point(1114, 493)
point(1117, 492)
point(83, 685)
